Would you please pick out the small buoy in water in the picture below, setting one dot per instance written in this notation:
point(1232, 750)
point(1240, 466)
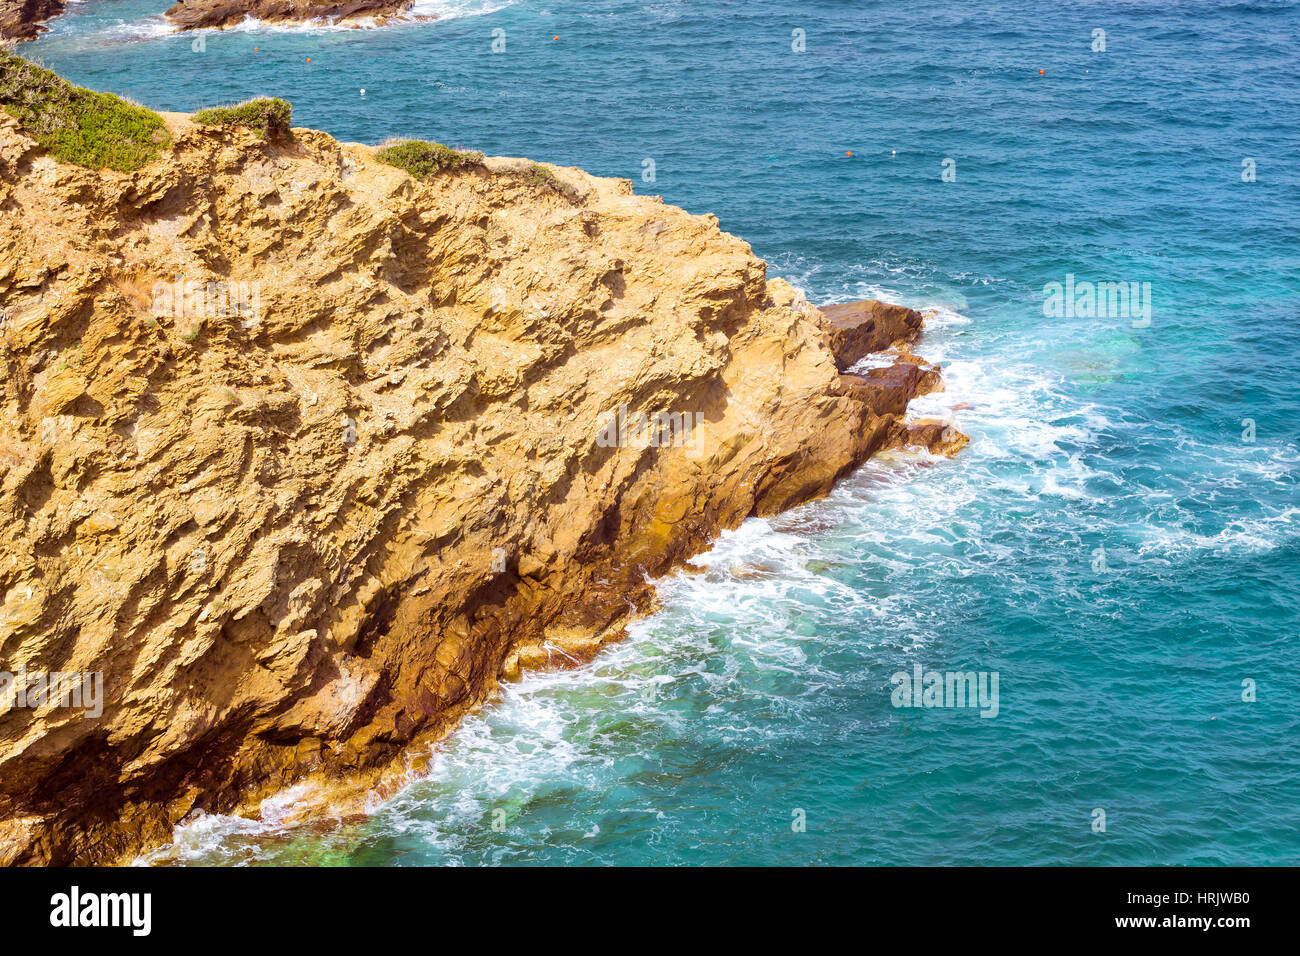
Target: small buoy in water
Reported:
point(1041, 72)
point(848, 152)
point(308, 59)
point(893, 152)
point(363, 91)
point(554, 38)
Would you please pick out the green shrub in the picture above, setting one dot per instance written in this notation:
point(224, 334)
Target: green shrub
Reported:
point(270, 118)
point(424, 160)
point(77, 125)
point(538, 175)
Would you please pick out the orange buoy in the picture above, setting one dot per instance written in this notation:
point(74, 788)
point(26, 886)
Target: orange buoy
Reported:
point(848, 152)
point(554, 38)
point(1041, 72)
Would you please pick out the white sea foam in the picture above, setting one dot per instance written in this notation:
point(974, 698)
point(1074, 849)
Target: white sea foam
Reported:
point(1257, 534)
point(873, 360)
point(940, 317)
point(206, 833)
point(69, 30)
point(452, 9)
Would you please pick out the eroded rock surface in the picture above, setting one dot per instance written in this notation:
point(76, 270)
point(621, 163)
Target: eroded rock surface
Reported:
point(305, 456)
point(24, 19)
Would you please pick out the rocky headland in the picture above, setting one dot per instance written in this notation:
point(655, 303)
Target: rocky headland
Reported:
point(304, 455)
point(25, 19)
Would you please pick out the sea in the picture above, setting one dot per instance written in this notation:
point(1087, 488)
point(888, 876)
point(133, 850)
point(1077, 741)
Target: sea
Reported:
point(1098, 202)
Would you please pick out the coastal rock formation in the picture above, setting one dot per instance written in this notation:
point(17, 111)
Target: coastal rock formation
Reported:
point(858, 328)
point(304, 456)
point(193, 14)
point(23, 19)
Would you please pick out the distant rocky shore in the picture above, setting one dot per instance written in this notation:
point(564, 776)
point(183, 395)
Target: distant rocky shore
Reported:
point(194, 14)
point(25, 19)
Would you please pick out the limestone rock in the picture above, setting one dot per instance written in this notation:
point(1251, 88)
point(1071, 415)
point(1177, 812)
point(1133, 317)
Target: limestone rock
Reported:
point(860, 328)
point(305, 456)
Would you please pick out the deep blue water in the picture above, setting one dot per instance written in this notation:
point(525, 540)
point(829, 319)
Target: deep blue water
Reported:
point(763, 688)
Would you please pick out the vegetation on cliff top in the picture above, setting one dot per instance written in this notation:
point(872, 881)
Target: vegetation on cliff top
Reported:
point(538, 175)
point(269, 117)
point(423, 159)
point(77, 125)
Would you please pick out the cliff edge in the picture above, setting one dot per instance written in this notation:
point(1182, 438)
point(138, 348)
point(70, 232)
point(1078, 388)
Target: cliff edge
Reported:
point(302, 455)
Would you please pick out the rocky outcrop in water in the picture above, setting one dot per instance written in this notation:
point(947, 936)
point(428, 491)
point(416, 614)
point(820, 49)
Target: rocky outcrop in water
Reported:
point(302, 457)
point(24, 19)
point(193, 14)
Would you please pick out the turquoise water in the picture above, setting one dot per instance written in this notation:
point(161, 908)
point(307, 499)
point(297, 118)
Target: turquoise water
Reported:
point(763, 688)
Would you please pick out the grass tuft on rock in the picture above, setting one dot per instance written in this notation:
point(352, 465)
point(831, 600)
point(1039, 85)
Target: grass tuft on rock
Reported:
point(77, 125)
point(423, 159)
point(538, 175)
point(269, 117)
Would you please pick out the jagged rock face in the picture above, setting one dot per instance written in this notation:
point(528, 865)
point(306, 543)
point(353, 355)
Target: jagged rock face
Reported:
point(23, 19)
point(305, 505)
point(857, 328)
point(192, 14)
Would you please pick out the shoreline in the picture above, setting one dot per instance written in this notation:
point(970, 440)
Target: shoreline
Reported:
point(23, 20)
point(330, 805)
point(188, 15)
point(313, 542)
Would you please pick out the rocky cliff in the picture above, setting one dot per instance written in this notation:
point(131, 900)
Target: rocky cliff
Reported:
point(24, 19)
point(304, 456)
